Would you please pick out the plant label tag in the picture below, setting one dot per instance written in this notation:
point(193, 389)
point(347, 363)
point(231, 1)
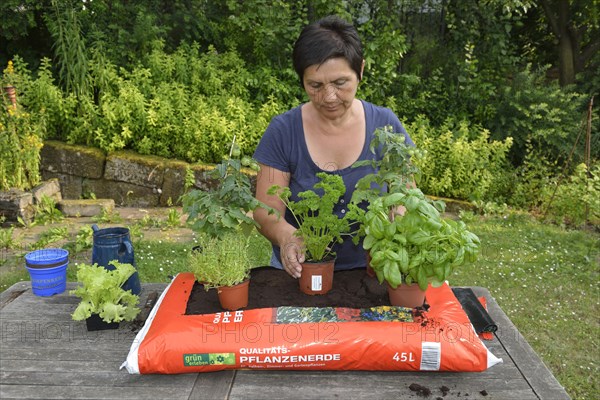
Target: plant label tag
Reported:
point(316, 283)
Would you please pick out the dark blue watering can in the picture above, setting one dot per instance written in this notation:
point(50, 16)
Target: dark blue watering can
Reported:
point(115, 244)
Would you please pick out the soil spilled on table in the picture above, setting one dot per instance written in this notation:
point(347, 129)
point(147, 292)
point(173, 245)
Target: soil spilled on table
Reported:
point(271, 287)
point(420, 390)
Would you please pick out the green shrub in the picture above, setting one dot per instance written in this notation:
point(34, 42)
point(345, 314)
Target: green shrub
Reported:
point(530, 179)
point(539, 188)
point(539, 113)
point(185, 105)
point(459, 161)
point(21, 134)
point(576, 199)
point(20, 145)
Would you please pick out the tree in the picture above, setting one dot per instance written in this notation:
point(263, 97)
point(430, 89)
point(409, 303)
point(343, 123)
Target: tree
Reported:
point(23, 31)
point(575, 25)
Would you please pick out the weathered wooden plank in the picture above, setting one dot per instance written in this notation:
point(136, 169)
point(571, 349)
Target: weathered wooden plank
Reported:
point(59, 366)
point(20, 329)
point(72, 352)
point(213, 385)
point(528, 362)
point(110, 378)
point(38, 312)
point(49, 354)
point(91, 392)
point(364, 384)
point(12, 293)
point(28, 299)
point(45, 336)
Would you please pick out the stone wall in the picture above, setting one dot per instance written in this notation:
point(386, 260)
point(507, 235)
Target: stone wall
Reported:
point(130, 179)
point(16, 203)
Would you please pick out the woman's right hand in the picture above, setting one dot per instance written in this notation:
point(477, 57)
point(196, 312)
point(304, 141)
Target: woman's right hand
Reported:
point(292, 255)
point(274, 226)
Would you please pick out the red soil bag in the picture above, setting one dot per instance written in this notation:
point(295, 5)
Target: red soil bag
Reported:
point(382, 338)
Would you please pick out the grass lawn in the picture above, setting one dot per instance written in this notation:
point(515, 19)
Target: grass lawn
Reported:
point(546, 280)
point(544, 277)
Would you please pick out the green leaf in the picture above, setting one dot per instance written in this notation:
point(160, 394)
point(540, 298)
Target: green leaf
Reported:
point(439, 272)
point(428, 210)
point(447, 271)
point(394, 278)
point(422, 279)
point(400, 238)
point(392, 255)
point(419, 237)
point(368, 242)
point(416, 261)
point(460, 256)
point(404, 260)
point(390, 230)
point(83, 311)
point(376, 228)
point(112, 312)
point(436, 283)
point(411, 203)
point(380, 275)
point(393, 199)
point(433, 224)
point(377, 259)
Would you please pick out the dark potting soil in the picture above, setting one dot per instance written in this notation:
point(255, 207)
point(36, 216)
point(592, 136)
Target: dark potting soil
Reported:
point(271, 287)
point(424, 391)
point(445, 390)
point(421, 390)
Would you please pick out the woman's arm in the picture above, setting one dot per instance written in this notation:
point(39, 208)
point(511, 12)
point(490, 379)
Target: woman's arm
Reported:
point(274, 227)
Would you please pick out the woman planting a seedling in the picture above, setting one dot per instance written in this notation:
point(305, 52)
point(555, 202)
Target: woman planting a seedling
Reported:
point(329, 133)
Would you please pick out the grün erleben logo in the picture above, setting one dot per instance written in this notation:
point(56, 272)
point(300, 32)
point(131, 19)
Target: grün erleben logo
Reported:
point(199, 359)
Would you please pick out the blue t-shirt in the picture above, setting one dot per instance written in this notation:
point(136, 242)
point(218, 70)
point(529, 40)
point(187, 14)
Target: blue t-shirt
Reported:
point(283, 147)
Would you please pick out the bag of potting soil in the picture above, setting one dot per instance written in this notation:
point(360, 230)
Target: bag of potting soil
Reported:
point(377, 338)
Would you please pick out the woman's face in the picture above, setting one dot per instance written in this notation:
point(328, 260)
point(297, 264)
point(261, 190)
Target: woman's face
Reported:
point(331, 87)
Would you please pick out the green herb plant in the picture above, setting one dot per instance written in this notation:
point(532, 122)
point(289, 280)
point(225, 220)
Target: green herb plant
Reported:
point(318, 226)
point(221, 261)
point(84, 239)
point(419, 246)
point(407, 238)
point(224, 208)
point(107, 216)
point(52, 235)
point(7, 240)
point(394, 172)
point(101, 293)
point(46, 211)
point(173, 219)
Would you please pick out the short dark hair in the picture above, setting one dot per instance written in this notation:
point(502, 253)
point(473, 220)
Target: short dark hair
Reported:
point(330, 37)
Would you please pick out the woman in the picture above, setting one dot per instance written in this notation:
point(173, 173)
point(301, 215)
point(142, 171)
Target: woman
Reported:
point(329, 133)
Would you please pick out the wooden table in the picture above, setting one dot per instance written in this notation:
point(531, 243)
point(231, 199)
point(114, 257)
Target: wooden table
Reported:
point(46, 355)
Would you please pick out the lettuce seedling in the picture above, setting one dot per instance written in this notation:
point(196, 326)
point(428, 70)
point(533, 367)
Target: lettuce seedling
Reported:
point(101, 293)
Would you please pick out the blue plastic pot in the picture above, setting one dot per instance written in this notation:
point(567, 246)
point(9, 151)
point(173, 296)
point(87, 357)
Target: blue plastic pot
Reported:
point(48, 271)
